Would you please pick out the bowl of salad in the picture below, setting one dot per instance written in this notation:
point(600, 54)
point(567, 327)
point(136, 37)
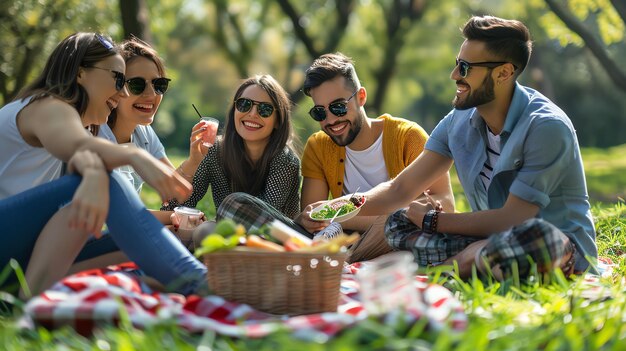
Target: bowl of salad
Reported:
point(341, 209)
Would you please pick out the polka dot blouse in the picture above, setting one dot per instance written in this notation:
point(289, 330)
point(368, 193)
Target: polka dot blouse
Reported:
point(281, 191)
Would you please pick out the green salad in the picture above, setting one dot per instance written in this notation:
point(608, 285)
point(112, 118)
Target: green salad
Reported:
point(338, 208)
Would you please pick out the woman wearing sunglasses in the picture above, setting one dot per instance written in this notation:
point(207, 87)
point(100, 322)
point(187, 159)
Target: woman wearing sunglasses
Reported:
point(49, 216)
point(255, 156)
point(129, 124)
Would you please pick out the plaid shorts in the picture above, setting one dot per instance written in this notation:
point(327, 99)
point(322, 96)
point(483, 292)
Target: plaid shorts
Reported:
point(534, 241)
point(253, 212)
point(428, 249)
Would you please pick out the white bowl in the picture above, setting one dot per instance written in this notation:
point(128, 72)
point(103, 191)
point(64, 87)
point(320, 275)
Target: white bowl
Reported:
point(344, 217)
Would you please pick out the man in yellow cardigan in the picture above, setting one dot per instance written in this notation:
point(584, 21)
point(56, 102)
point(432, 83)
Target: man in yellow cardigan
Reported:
point(353, 151)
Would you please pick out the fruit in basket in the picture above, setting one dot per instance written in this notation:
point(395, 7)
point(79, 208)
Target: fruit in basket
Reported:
point(216, 242)
point(227, 227)
point(228, 235)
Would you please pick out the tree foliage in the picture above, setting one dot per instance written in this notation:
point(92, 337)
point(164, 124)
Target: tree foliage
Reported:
point(598, 24)
point(404, 51)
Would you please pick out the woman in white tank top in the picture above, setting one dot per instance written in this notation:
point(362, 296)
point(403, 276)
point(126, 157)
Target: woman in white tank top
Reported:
point(51, 216)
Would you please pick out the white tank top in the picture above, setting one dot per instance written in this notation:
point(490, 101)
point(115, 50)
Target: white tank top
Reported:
point(365, 169)
point(22, 166)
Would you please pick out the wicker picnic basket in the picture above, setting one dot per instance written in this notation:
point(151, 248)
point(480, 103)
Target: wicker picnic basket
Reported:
point(277, 282)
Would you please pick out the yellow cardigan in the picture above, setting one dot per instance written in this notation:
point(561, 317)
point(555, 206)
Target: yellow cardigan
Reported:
point(322, 159)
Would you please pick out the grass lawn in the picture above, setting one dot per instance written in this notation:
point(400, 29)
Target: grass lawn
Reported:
point(502, 316)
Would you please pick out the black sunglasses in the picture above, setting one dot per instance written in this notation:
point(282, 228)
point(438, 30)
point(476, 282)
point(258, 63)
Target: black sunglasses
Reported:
point(464, 66)
point(244, 105)
point(338, 108)
point(137, 85)
point(119, 77)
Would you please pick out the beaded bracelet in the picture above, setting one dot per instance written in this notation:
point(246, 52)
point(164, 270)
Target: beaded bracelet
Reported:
point(429, 223)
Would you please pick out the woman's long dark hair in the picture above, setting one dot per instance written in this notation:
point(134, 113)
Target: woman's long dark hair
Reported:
point(243, 174)
point(59, 76)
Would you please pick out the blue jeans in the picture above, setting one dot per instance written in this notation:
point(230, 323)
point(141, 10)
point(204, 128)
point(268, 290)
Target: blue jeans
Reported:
point(131, 227)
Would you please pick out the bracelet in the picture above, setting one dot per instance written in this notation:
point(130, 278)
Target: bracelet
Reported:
point(180, 170)
point(429, 223)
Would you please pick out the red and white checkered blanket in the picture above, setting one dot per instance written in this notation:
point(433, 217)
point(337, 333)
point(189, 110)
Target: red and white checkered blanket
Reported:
point(91, 298)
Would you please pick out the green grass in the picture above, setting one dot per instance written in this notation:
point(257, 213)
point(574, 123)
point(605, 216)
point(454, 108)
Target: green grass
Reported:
point(502, 316)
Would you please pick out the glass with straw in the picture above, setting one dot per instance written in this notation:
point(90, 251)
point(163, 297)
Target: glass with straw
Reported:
point(211, 124)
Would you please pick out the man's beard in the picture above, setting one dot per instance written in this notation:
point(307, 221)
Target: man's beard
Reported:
point(355, 129)
point(476, 98)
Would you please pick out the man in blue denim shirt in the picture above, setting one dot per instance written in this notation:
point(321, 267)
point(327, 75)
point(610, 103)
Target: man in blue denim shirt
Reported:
point(519, 163)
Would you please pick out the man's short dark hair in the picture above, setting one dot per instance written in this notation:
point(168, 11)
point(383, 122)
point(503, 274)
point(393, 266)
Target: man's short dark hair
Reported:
point(507, 40)
point(328, 67)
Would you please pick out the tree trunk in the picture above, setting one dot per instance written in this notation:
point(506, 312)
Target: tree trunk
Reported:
point(135, 19)
point(592, 42)
point(400, 17)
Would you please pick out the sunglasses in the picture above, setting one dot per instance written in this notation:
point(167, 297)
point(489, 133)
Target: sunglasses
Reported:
point(119, 77)
point(243, 105)
point(465, 66)
point(137, 85)
point(105, 42)
point(339, 109)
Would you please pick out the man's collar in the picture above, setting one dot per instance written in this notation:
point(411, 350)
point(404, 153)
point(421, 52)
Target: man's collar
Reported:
point(519, 102)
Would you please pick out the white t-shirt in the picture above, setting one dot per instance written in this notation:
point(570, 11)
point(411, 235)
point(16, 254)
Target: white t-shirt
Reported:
point(22, 166)
point(143, 137)
point(365, 169)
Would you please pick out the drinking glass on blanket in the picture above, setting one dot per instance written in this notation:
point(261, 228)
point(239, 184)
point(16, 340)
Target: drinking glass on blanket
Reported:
point(388, 282)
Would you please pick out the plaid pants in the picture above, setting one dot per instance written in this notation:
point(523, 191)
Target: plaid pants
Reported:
point(428, 249)
point(534, 241)
point(253, 212)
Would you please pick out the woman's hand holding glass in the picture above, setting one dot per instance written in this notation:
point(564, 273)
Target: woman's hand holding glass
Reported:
point(90, 204)
point(197, 148)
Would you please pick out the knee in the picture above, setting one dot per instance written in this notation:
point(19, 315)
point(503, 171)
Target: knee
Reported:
point(234, 200)
point(118, 183)
point(535, 241)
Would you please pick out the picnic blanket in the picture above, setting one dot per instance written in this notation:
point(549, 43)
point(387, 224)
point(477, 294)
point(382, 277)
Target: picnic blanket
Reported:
point(92, 298)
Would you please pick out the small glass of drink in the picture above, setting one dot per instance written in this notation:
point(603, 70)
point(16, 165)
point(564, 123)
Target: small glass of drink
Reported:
point(211, 124)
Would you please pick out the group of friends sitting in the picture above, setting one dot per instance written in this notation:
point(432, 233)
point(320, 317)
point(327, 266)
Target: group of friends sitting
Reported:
point(77, 146)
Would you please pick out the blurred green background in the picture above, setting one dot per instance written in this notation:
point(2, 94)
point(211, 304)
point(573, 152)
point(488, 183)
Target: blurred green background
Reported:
point(404, 52)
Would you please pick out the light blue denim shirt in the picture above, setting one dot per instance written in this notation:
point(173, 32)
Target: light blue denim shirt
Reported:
point(539, 162)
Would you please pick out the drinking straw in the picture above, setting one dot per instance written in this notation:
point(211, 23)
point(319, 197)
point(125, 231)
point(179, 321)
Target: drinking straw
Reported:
point(198, 112)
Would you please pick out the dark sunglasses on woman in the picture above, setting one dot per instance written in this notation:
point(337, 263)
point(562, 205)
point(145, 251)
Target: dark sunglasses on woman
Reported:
point(244, 105)
point(339, 109)
point(137, 85)
point(119, 77)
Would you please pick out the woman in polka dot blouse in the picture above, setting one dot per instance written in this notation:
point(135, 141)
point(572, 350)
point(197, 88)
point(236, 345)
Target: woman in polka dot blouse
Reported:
point(256, 154)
